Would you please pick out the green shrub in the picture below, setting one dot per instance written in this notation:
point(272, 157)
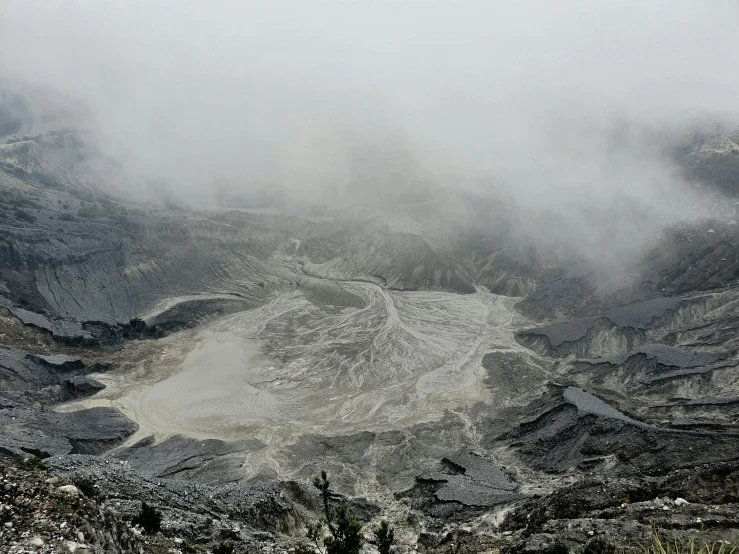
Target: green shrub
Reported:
point(32, 463)
point(557, 547)
point(23, 202)
point(23, 216)
point(149, 518)
point(91, 211)
point(192, 548)
point(659, 545)
point(599, 545)
point(66, 217)
point(226, 547)
point(87, 488)
point(344, 531)
point(385, 535)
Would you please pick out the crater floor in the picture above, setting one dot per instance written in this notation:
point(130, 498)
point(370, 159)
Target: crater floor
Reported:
point(299, 365)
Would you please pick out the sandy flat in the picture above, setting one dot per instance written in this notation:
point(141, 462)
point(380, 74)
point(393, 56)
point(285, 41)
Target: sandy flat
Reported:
point(292, 367)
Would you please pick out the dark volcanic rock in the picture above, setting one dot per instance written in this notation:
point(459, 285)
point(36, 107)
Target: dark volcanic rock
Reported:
point(187, 458)
point(45, 432)
point(80, 386)
point(465, 483)
point(615, 330)
point(664, 355)
point(31, 383)
point(59, 361)
point(65, 330)
point(623, 509)
point(31, 372)
point(565, 430)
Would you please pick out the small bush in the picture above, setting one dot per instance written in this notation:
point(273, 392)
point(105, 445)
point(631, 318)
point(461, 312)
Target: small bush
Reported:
point(66, 217)
point(385, 535)
point(32, 463)
point(192, 548)
point(557, 547)
point(338, 530)
point(23, 216)
point(87, 488)
point(345, 534)
point(226, 547)
point(599, 545)
point(149, 518)
point(91, 211)
point(19, 201)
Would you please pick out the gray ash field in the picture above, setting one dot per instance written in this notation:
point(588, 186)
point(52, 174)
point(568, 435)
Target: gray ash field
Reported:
point(476, 388)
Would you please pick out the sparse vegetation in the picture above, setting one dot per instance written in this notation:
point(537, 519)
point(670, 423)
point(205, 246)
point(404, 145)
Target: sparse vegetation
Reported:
point(599, 545)
point(85, 196)
point(338, 530)
point(22, 202)
point(23, 216)
point(149, 518)
point(66, 217)
point(87, 488)
point(90, 211)
point(226, 547)
point(191, 548)
point(658, 545)
point(385, 536)
point(32, 463)
point(557, 547)
point(102, 208)
point(47, 180)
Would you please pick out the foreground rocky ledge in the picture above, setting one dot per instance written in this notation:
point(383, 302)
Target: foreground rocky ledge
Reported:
point(81, 504)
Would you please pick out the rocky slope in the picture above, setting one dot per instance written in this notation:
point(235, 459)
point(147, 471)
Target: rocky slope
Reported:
point(481, 390)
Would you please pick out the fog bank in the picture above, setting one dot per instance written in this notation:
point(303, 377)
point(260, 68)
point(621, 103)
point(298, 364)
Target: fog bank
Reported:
point(560, 107)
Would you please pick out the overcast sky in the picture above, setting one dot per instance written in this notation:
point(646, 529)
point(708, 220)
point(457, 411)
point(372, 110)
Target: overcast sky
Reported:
point(289, 91)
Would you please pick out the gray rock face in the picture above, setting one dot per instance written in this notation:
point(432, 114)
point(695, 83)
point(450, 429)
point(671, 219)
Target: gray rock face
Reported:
point(187, 458)
point(478, 483)
point(33, 430)
point(588, 404)
point(464, 484)
point(62, 329)
point(570, 428)
point(59, 361)
point(630, 323)
point(664, 355)
point(31, 383)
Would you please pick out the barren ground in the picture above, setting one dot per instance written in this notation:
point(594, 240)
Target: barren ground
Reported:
point(296, 366)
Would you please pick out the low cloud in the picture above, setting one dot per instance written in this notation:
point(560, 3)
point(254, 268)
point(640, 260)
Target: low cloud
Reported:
point(563, 108)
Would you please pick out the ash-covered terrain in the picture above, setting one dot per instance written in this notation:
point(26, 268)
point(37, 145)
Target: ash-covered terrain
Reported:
point(476, 386)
